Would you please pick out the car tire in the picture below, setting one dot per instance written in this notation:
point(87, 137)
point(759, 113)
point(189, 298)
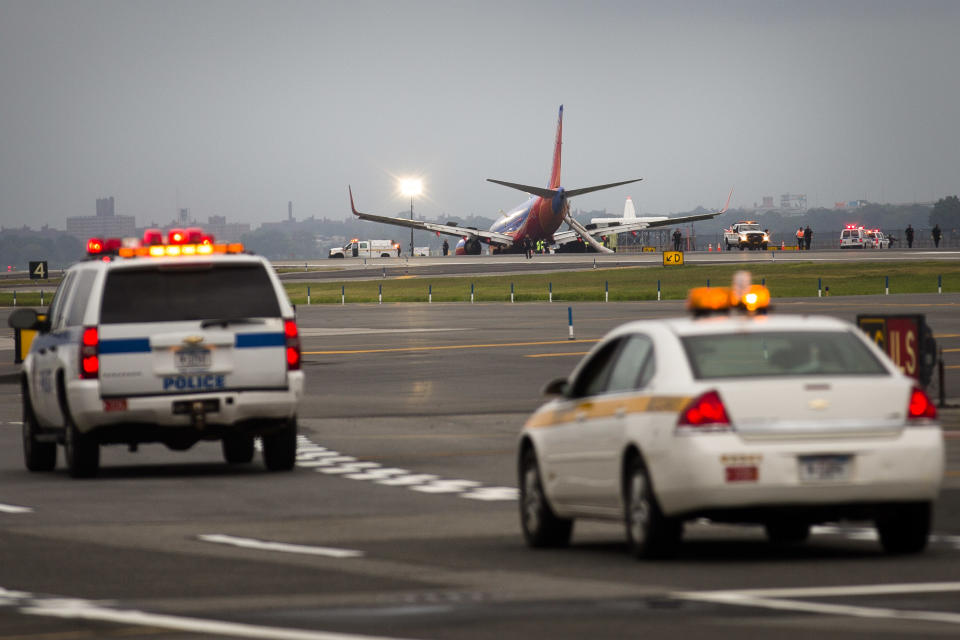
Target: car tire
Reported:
point(905, 529)
point(787, 532)
point(280, 447)
point(237, 448)
point(650, 534)
point(540, 525)
point(80, 450)
point(37, 456)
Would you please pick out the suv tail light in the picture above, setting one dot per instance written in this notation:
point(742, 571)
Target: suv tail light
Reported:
point(293, 344)
point(704, 413)
point(90, 354)
point(920, 407)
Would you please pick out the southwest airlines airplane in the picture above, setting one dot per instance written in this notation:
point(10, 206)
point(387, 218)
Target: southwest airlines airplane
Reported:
point(539, 218)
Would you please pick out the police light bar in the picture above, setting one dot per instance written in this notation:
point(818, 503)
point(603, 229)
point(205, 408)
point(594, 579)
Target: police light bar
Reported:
point(181, 242)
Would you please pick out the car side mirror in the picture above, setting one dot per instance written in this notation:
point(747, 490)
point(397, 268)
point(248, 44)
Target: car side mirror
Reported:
point(558, 387)
point(28, 319)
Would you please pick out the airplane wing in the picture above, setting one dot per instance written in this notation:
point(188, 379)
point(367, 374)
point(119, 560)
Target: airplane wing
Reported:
point(640, 223)
point(492, 237)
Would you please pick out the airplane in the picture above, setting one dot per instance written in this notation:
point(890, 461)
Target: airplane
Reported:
point(629, 213)
point(539, 218)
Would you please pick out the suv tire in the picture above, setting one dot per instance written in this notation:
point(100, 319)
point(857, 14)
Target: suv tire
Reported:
point(905, 529)
point(37, 456)
point(81, 451)
point(280, 447)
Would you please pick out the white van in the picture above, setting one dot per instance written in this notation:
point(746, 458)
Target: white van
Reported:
point(853, 238)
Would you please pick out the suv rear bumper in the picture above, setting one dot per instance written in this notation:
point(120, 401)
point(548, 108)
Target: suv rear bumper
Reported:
point(91, 412)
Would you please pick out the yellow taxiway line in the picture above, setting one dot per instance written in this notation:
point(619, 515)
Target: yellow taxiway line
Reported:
point(445, 347)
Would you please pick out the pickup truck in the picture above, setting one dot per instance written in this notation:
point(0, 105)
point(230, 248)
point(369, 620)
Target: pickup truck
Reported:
point(745, 234)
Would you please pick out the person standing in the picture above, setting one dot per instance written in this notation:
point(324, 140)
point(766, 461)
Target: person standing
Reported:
point(446, 247)
point(909, 235)
point(936, 234)
point(799, 238)
point(807, 237)
point(677, 239)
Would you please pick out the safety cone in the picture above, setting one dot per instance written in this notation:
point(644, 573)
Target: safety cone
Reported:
point(710, 247)
point(781, 245)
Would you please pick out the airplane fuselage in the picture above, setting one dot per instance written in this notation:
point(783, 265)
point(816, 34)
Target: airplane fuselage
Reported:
point(537, 219)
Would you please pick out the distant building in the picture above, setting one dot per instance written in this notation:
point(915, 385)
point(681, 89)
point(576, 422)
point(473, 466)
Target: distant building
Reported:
point(224, 231)
point(106, 224)
point(793, 202)
point(767, 202)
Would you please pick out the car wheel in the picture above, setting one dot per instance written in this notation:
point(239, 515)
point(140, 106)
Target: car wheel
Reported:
point(237, 448)
point(81, 451)
point(742, 247)
point(280, 447)
point(786, 532)
point(38, 456)
point(650, 534)
point(905, 529)
point(541, 526)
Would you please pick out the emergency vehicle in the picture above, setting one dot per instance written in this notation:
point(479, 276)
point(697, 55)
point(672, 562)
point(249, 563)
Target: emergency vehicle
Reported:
point(366, 249)
point(746, 234)
point(172, 342)
point(876, 239)
point(853, 237)
point(735, 416)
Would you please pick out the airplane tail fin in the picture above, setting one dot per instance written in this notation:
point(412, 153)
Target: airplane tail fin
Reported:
point(555, 171)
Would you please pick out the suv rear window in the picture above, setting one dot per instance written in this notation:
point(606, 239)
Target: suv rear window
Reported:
point(169, 293)
point(775, 354)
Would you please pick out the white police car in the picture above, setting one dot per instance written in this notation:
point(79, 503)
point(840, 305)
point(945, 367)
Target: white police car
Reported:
point(171, 342)
point(739, 419)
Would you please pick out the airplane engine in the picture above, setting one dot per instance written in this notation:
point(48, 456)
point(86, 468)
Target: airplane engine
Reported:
point(468, 247)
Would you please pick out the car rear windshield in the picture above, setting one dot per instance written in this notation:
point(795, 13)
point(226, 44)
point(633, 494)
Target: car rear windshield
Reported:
point(772, 354)
point(169, 293)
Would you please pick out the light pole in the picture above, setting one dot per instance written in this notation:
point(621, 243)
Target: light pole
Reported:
point(411, 187)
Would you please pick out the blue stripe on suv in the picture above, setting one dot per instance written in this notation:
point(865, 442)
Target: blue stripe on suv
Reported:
point(142, 345)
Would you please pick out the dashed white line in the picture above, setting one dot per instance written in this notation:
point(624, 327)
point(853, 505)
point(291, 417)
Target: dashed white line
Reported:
point(12, 508)
point(263, 545)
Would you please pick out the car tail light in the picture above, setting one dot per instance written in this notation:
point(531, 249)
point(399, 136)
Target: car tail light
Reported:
point(293, 344)
point(704, 413)
point(90, 354)
point(920, 407)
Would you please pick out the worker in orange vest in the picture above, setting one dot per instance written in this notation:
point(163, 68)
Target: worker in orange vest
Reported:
point(800, 238)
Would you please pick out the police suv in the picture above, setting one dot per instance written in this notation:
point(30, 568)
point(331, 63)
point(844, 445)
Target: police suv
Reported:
point(171, 342)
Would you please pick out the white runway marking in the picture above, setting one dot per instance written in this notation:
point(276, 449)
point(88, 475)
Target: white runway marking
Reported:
point(323, 460)
point(775, 599)
point(77, 609)
point(261, 545)
point(12, 508)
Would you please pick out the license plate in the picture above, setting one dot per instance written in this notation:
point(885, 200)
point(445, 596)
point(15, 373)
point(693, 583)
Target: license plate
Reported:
point(192, 359)
point(825, 468)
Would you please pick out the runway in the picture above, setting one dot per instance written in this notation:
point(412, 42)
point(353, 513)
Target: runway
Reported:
point(400, 519)
point(363, 268)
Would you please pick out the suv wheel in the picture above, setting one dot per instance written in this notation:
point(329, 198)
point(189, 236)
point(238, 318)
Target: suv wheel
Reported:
point(280, 447)
point(541, 526)
point(650, 534)
point(237, 448)
point(38, 456)
point(81, 451)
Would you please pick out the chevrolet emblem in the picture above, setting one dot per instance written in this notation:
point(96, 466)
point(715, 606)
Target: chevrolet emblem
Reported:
point(193, 340)
point(819, 403)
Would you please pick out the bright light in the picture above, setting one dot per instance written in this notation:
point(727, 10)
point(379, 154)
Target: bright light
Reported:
point(411, 186)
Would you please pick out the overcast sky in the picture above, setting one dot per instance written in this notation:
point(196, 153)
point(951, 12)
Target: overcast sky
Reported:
point(234, 108)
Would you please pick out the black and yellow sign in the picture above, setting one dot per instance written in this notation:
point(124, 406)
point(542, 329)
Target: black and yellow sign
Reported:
point(38, 270)
point(649, 249)
point(672, 258)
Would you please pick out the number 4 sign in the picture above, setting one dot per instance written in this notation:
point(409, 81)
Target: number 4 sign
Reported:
point(38, 270)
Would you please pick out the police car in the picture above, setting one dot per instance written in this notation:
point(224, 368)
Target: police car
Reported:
point(171, 342)
point(741, 418)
